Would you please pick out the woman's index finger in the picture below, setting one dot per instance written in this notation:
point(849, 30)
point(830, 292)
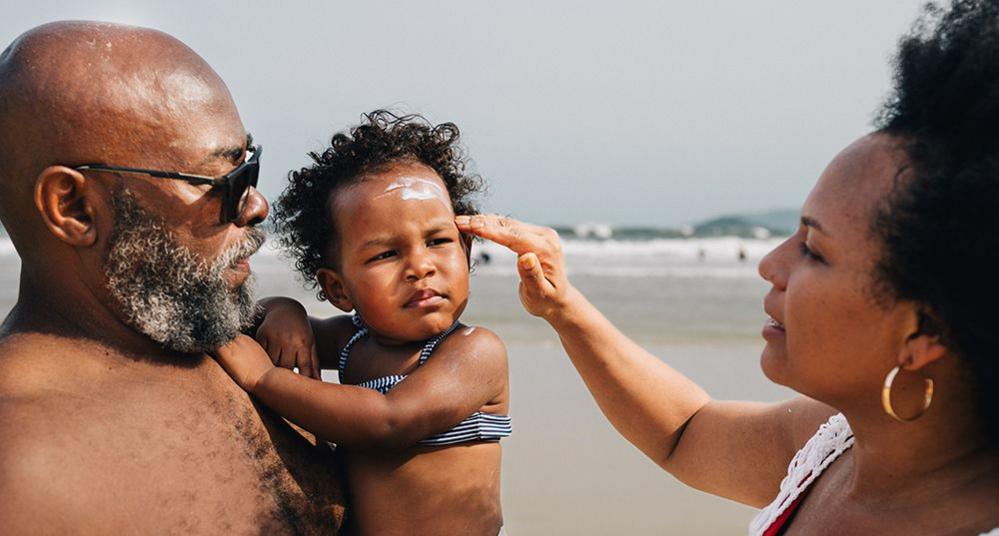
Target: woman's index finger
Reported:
point(504, 231)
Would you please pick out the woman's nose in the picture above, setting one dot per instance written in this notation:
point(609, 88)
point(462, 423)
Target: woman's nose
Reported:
point(773, 266)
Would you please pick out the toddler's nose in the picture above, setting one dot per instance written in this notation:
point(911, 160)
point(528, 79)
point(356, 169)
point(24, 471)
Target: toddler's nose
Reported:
point(420, 266)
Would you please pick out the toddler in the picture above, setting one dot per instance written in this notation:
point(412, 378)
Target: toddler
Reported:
point(423, 399)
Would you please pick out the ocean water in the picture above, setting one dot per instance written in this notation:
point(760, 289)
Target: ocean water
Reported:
point(692, 302)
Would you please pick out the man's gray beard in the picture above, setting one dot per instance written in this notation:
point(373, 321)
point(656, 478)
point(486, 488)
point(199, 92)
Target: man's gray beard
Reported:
point(168, 293)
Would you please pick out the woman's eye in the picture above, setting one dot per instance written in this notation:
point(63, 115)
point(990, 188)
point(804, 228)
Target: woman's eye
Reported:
point(807, 252)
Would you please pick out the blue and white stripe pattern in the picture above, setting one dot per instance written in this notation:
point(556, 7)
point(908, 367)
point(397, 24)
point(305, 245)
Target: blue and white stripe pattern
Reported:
point(478, 426)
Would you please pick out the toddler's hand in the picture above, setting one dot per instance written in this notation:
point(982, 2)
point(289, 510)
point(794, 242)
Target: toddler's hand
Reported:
point(286, 335)
point(244, 360)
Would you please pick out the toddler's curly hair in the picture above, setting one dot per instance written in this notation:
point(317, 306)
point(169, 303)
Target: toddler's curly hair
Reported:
point(303, 213)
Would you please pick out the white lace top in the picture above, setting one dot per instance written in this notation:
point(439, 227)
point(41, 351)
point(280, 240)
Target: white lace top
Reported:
point(833, 438)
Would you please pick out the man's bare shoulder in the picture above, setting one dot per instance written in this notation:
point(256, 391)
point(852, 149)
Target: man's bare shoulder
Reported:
point(37, 402)
point(40, 366)
point(41, 483)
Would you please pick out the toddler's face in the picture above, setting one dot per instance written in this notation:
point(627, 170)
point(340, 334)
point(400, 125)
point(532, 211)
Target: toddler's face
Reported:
point(402, 263)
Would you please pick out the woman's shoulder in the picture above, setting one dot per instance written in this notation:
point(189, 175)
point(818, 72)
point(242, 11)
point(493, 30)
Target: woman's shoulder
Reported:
point(833, 438)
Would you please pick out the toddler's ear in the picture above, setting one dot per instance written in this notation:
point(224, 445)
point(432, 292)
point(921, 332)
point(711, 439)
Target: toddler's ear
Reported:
point(333, 287)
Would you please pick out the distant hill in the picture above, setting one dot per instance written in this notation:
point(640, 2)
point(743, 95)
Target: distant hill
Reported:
point(775, 222)
point(753, 225)
point(786, 221)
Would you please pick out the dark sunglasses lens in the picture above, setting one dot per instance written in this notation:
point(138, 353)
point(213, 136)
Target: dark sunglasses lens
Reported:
point(239, 189)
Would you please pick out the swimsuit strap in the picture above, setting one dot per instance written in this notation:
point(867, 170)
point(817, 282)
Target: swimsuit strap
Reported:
point(361, 332)
point(428, 348)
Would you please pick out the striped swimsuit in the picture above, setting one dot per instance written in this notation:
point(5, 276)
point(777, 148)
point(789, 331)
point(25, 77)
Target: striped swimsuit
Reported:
point(478, 426)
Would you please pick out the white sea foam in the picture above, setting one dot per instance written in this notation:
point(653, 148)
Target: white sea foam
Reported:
point(747, 271)
point(680, 248)
point(678, 258)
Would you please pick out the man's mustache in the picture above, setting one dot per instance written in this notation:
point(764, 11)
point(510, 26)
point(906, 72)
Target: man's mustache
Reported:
point(243, 249)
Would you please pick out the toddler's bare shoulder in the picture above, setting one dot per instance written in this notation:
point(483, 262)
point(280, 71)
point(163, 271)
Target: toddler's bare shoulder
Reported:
point(476, 342)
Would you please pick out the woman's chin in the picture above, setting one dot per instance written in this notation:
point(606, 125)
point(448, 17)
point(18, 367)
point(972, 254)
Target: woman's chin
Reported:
point(774, 365)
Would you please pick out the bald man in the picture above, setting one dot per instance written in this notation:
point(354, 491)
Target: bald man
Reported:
point(126, 186)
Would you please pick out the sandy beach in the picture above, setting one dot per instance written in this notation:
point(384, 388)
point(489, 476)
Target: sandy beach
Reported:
point(565, 469)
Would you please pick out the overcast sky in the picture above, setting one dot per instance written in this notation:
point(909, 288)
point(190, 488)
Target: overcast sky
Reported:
point(648, 113)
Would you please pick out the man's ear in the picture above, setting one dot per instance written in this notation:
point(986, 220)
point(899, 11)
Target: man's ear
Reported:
point(924, 344)
point(64, 198)
point(335, 290)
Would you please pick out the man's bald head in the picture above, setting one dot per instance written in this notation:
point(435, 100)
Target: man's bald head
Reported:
point(88, 92)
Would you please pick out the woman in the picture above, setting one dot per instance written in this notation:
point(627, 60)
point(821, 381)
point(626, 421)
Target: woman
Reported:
point(882, 314)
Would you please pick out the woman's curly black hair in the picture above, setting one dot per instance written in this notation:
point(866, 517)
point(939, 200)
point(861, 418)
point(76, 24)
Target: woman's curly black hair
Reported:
point(938, 226)
point(302, 214)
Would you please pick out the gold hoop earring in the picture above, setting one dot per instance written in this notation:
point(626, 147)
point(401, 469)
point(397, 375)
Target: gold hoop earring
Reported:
point(886, 396)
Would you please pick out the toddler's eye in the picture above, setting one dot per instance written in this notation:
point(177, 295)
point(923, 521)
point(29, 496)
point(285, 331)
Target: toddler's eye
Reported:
point(382, 256)
point(439, 241)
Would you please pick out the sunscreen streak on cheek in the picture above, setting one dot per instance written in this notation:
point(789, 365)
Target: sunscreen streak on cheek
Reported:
point(417, 189)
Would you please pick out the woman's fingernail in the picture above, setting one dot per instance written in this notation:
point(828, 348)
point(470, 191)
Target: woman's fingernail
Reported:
point(462, 220)
point(527, 262)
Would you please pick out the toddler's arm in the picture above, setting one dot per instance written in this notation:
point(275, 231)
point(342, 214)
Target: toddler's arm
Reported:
point(467, 371)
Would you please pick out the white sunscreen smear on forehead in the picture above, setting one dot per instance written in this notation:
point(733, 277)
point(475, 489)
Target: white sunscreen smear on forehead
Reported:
point(469, 331)
point(417, 189)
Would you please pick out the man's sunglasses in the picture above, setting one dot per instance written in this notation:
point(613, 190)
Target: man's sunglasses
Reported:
point(235, 185)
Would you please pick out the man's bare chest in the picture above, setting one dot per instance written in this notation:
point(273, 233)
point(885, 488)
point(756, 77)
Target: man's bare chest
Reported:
point(205, 460)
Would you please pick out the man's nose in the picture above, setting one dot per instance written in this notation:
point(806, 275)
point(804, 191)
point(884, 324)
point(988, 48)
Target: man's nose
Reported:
point(253, 210)
point(420, 265)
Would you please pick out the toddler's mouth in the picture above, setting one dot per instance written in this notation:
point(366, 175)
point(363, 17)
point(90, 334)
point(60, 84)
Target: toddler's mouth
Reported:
point(424, 298)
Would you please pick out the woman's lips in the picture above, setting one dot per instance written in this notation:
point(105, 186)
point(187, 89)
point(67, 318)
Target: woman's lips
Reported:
point(424, 298)
point(773, 329)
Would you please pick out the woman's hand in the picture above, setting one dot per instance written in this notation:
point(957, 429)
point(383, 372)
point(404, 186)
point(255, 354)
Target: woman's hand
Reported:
point(544, 288)
point(286, 335)
point(245, 361)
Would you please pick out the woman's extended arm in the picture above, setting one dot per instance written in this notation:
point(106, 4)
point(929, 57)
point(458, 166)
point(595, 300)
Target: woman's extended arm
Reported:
point(739, 450)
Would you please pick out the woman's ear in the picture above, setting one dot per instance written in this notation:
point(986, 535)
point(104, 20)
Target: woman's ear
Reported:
point(64, 198)
point(924, 344)
point(334, 289)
